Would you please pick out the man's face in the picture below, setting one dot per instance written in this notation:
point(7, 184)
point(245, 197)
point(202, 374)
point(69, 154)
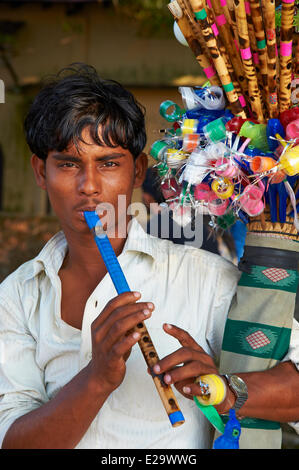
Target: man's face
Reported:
point(81, 180)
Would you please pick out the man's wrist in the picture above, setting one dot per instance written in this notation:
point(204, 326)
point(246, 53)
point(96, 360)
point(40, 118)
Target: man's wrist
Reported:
point(96, 388)
point(229, 400)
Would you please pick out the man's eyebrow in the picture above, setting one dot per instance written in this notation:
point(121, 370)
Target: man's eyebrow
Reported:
point(71, 158)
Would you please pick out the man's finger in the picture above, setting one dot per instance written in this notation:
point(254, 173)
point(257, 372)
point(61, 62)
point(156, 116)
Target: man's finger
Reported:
point(124, 346)
point(189, 371)
point(182, 336)
point(120, 313)
point(192, 389)
point(119, 329)
point(177, 358)
point(119, 301)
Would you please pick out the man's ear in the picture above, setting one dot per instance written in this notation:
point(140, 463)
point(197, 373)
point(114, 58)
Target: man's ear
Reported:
point(39, 169)
point(141, 164)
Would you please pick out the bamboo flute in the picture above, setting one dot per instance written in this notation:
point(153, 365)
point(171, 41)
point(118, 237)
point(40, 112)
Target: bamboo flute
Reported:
point(227, 38)
point(226, 12)
point(147, 348)
point(269, 22)
point(257, 21)
point(219, 63)
point(212, 19)
point(246, 56)
point(255, 57)
point(285, 56)
point(252, 41)
point(231, 12)
point(295, 69)
point(194, 26)
point(202, 58)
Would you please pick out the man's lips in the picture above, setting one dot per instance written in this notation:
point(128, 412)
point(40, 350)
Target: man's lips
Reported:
point(87, 209)
point(81, 211)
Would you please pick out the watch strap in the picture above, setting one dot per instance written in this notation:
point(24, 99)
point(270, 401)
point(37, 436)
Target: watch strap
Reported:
point(241, 395)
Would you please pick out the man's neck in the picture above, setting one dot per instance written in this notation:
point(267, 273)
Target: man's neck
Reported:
point(83, 257)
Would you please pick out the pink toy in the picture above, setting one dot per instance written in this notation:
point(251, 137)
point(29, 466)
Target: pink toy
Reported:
point(292, 131)
point(251, 200)
point(217, 206)
point(203, 192)
point(230, 170)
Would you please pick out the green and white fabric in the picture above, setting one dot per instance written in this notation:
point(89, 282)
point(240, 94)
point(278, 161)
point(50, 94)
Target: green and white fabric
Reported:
point(258, 329)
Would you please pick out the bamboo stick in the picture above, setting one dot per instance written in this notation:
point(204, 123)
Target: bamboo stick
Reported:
point(202, 58)
point(285, 56)
point(227, 38)
point(246, 56)
point(222, 49)
point(219, 63)
point(255, 57)
point(269, 22)
point(233, 23)
point(257, 21)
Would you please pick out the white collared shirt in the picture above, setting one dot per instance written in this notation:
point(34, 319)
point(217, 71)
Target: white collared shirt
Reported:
point(40, 353)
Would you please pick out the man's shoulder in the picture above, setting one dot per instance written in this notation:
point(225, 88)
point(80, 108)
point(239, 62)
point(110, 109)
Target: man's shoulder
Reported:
point(186, 254)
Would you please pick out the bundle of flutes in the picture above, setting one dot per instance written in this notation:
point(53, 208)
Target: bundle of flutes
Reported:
point(240, 47)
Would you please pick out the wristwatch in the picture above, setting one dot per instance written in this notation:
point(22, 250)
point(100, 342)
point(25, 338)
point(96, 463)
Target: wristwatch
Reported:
point(239, 388)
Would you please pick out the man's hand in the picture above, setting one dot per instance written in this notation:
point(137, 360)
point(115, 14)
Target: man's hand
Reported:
point(112, 339)
point(183, 366)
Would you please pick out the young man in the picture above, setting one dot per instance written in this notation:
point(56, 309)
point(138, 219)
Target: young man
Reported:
point(71, 375)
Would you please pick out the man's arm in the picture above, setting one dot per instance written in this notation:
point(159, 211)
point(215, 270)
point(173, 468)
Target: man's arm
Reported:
point(62, 422)
point(272, 393)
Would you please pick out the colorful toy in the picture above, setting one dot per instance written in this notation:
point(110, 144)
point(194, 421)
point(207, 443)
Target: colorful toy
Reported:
point(231, 435)
point(245, 169)
point(213, 391)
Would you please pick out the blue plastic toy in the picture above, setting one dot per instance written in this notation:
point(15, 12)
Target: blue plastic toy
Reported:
point(230, 437)
point(274, 127)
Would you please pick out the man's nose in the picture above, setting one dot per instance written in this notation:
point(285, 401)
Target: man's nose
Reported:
point(89, 183)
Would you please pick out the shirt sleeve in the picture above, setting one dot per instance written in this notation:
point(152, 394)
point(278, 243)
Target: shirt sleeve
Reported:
point(22, 386)
point(293, 352)
point(293, 355)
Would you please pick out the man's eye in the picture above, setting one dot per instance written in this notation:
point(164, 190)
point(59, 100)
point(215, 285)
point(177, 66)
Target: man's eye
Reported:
point(110, 164)
point(67, 165)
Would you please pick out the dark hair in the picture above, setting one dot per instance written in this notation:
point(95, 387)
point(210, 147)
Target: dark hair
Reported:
point(77, 98)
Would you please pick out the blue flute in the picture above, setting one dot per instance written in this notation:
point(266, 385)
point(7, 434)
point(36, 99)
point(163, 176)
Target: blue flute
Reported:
point(147, 348)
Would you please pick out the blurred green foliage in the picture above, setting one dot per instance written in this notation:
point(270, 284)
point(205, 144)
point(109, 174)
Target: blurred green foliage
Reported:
point(152, 16)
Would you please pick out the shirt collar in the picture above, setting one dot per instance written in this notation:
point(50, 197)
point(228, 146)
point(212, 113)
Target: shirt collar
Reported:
point(53, 253)
point(140, 241)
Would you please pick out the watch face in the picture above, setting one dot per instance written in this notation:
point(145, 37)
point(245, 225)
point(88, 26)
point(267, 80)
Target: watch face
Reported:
point(238, 383)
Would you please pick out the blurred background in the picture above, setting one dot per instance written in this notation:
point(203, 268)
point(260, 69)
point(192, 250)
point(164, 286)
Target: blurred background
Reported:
point(130, 41)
